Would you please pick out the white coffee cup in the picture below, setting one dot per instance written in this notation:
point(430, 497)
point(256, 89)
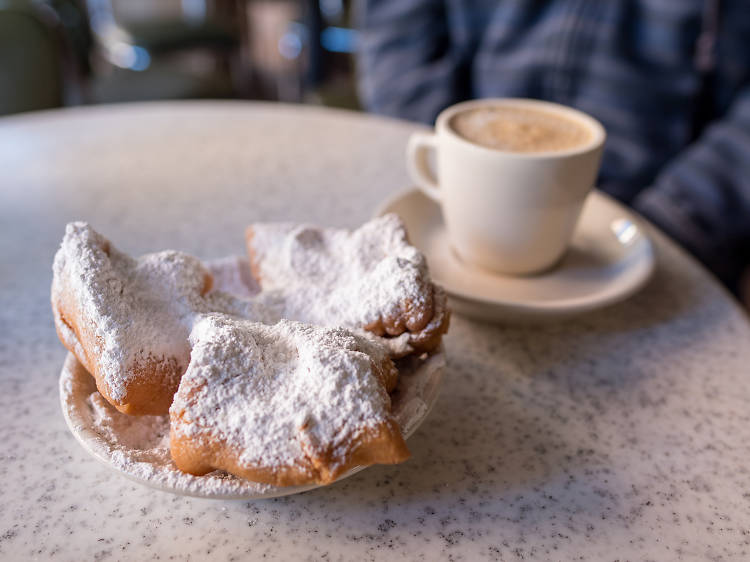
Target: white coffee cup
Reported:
point(509, 212)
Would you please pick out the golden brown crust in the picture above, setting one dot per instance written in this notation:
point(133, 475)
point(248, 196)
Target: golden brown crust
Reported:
point(383, 444)
point(429, 338)
point(387, 374)
point(409, 318)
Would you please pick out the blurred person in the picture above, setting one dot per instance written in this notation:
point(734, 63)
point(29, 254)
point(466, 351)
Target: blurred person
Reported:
point(669, 79)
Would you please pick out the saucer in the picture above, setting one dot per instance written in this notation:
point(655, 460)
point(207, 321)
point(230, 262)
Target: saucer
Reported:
point(610, 258)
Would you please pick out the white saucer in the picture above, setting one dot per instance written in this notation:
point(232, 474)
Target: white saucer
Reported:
point(610, 258)
point(138, 446)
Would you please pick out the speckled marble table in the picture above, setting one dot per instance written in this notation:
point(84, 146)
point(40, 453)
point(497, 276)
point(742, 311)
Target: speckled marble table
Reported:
point(623, 434)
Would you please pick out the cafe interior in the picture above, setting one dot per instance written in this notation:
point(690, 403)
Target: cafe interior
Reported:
point(63, 53)
point(77, 52)
point(593, 407)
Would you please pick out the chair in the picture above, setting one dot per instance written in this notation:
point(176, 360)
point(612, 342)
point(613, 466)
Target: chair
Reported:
point(31, 58)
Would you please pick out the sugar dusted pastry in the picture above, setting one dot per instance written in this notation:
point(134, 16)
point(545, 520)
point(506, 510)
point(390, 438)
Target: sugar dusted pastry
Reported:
point(127, 320)
point(253, 390)
point(284, 404)
point(369, 278)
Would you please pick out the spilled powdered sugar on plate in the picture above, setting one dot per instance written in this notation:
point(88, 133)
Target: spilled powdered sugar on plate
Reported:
point(138, 446)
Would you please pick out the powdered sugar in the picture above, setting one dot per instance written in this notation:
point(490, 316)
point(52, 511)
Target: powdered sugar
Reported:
point(232, 275)
point(278, 393)
point(139, 310)
point(335, 277)
point(150, 434)
point(145, 308)
point(138, 447)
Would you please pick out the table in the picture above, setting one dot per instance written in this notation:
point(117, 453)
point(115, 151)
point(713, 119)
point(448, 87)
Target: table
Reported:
point(621, 434)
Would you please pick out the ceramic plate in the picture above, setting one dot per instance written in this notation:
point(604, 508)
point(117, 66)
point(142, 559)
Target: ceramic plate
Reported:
point(138, 446)
point(609, 259)
point(106, 434)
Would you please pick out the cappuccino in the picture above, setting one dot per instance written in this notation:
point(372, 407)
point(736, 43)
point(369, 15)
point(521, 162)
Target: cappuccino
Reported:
point(511, 210)
point(520, 129)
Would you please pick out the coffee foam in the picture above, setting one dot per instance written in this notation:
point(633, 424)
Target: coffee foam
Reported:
point(520, 129)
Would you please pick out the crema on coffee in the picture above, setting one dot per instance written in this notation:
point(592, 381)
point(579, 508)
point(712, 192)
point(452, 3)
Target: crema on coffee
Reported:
point(520, 129)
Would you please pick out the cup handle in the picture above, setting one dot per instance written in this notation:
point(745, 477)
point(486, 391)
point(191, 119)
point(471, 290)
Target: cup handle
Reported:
point(418, 167)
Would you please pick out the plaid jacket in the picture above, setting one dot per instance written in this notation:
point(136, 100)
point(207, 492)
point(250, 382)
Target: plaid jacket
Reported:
point(669, 79)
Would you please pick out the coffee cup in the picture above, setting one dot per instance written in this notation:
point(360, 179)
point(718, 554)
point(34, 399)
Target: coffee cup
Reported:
point(511, 176)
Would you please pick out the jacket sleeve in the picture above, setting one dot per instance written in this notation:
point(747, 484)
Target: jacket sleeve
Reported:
point(406, 65)
point(702, 198)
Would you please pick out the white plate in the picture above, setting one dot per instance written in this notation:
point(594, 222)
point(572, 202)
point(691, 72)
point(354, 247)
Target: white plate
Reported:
point(610, 258)
point(103, 431)
point(138, 446)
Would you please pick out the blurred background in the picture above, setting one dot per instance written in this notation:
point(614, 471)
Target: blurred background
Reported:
point(57, 53)
point(656, 80)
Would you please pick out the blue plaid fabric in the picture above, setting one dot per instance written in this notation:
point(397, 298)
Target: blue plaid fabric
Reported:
point(630, 63)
